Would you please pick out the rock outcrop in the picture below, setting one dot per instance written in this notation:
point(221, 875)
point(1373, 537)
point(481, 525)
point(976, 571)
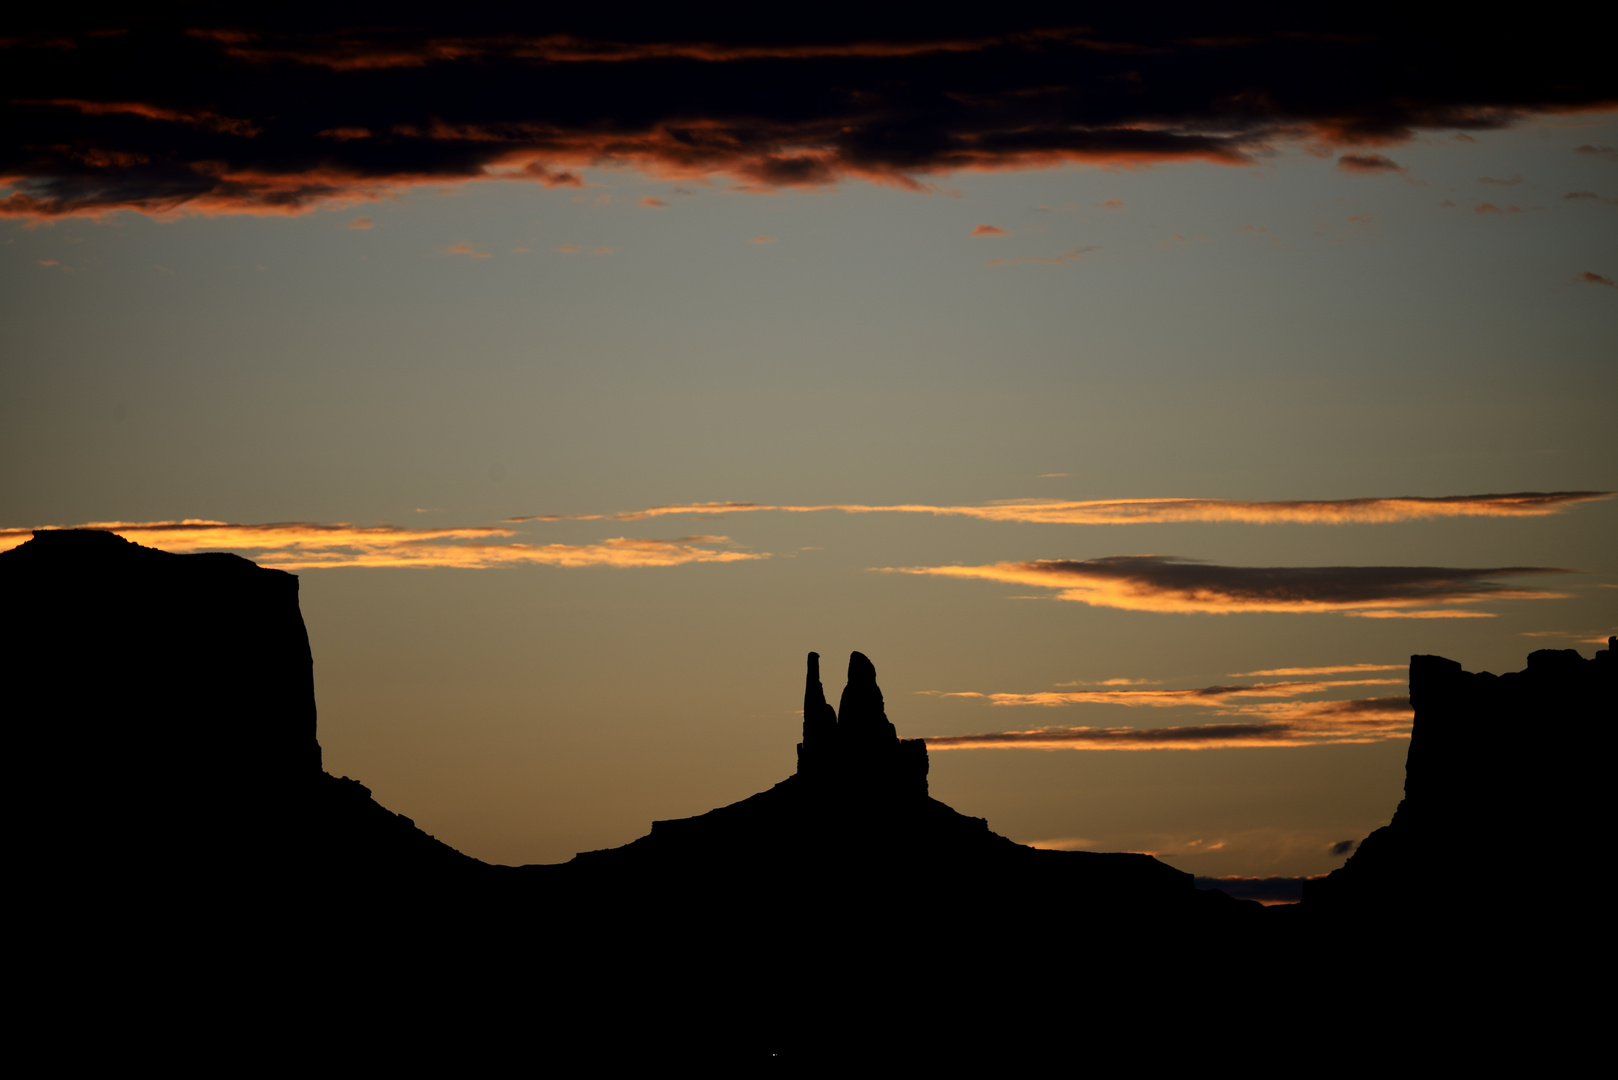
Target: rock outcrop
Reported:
point(1500, 768)
point(857, 815)
point(182, 852)
point(856, 748)
point(162, 723)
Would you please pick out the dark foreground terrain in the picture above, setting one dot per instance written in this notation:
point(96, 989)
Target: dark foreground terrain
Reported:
point(197, 890)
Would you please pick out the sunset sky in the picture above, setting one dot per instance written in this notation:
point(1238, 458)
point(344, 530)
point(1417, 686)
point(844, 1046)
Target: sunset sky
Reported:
point(1138, 398)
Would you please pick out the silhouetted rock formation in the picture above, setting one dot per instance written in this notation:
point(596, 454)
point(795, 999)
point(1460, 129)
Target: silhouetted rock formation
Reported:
point(1498, 764)
point(856, 748)
point(177, 693)
point(857, 815)
point(182, 851)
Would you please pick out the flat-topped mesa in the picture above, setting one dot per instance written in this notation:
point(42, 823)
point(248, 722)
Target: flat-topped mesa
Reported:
point(1497, 763)
point(857, 748)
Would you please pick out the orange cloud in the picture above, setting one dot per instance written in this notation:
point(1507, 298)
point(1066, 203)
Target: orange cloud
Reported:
point(988, 230)
point(1423, 614)
point(1166, 584)
point(361, 223)
point(310, 546)
point(648, 200)
point(1320, 723)
point(1158, 699)
point(1338, 669)
point(1114, 204)
point(1593, 278)
point(1160, 511)
point(1368, 163)
point(464, 248)
point(202, 118)
point(761, 240)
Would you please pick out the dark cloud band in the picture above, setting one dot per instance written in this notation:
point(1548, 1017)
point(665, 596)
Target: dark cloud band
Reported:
point(221, 109)
point(1165, 583)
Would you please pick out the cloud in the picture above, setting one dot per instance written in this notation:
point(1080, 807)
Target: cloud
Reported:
point(1510, 181)
point(1268, 891)
point(1114, 204)
point(1063, 843)
point(1163, 699)
point(1108, 682)
point(568, 249)
point(1338, 669)
point(1159, 511)
point(1583, 637)
point(1342, 847)
point(761, 240)
point(602, 251)
point(464, 248)
point(648, 200)
point(1168, 584)
point(1490, 208)
point(361, 223)
point(1608, 152)
point(1368, 163)
point(204, 118)
point(988, 230)
point(1075, 255)
point(1324, 723)
point(311, 546)
point(282, 109)
point(1583, 195)
point(1593, 278)
point(1421, 614)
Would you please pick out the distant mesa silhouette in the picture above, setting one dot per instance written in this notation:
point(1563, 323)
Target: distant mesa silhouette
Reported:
point(1512, 766)
point(171, 818)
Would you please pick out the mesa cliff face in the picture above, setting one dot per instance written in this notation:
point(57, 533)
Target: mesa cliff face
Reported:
point(1499, 766)
point(165, 707)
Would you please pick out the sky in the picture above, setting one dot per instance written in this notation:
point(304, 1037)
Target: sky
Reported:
point(1139, 399)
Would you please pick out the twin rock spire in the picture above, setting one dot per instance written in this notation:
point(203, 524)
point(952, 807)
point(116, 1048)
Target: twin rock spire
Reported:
point(856, 749)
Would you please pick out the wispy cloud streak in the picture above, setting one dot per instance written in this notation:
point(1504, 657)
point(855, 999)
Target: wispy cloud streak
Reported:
point(1160, 511)
point(1206, 695)
point(1334, 669)
point(314, 546)
point(1168, 584)
point(1294, 724)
